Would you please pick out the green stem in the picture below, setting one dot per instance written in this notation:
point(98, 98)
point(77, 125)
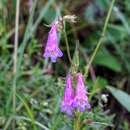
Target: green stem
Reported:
point(67, 47)
point(15, 58)
point(101, 38)
point(77, 121)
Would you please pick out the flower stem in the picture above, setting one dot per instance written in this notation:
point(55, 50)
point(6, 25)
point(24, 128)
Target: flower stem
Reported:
point(101, 38)
point(77, 121)
point(67, 47)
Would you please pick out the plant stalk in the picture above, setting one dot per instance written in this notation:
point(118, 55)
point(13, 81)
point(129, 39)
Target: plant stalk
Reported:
point(15, 58)
point(77, 121)
point(67, 47)
point(101, 38)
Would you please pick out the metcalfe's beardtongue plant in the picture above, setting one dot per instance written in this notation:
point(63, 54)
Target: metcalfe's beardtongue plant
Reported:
point(52, 49)
point(74, 102)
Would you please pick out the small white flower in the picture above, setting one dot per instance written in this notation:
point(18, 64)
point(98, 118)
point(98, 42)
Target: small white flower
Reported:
point(104, 98)
point(70, 18)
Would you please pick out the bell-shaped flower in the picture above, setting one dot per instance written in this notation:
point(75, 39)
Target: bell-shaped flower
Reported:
point(81, 100)
point(52, 49)
point(66, 104)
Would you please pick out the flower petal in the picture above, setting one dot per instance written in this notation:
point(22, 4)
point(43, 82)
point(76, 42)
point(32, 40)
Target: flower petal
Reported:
point(52, 50)
point(66, 105)
point(81, 100)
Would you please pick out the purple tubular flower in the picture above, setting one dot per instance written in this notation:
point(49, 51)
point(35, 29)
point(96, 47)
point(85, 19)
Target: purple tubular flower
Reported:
point(81, 100)
point(52, 50)
point(66, 104)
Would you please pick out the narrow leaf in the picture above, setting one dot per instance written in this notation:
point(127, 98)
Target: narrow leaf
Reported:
point(122, 97)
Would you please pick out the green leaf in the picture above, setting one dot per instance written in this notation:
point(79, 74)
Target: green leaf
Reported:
point(122, 97)
point(104, 58)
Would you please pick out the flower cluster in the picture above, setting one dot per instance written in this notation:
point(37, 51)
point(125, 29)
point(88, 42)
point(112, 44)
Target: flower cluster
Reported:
point(79, 101)
point(72, 100)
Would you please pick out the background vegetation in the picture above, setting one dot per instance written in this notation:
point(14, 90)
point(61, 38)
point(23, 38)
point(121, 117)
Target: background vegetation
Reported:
point(40, 84)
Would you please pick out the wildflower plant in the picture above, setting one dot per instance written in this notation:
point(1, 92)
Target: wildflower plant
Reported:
point(75, 101)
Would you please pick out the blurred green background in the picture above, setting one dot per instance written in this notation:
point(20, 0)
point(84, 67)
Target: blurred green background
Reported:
point(40, 84)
